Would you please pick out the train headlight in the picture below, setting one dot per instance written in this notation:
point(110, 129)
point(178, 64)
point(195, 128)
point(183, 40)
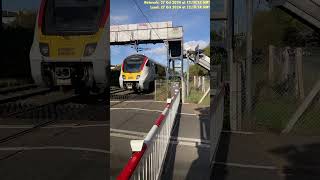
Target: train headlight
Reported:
point(123, 77)
point(90, 48)
point(44, 49)
point(138, 76)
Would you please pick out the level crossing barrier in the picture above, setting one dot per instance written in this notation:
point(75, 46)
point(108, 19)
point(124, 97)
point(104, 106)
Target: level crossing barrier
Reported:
point(148, 155)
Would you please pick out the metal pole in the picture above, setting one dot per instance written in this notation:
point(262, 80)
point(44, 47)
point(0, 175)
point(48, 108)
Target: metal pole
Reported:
point(299, 75)
point(182, 76)
point(249, 57)
point(168, 62)
point(168, 67)
point(188, 86)
point(203, 84)
point(234, 88)
point(155, 90)
point(1, 28)
point(271, 63)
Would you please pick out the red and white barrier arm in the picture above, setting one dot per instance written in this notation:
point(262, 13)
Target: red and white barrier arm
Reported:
point(139, 147)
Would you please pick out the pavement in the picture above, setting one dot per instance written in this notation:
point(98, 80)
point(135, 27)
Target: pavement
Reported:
point(267, 156)
point(188, 151)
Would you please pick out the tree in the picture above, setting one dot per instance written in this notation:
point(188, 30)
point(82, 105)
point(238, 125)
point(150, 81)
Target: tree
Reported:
point(196, 70)
point(25, 19)
point(207, 50)
point(278, 28)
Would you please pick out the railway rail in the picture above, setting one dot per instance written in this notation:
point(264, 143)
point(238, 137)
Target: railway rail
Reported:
point(122, 94)
point(29, 104)
point(17, 88)
point(14, 94)
point(61, 109)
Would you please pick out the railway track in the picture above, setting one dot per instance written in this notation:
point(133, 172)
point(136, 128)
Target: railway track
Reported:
point(17, 88)
point(121, 94)
point(21, 92)
point(34, 103)
point(52, 109)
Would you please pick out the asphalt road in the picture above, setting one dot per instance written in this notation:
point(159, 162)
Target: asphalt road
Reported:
point(61, 151)
point(267, 156)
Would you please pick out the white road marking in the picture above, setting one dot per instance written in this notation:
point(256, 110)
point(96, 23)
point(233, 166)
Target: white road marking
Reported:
point(150, 110)
point(238, 132)
point(246, 165)
point(190, 144)
point(143, 101)
point(53, 126)
point(120, 135)
point(138, 109)
point(189, 114)
point(139, 101)
point(26, 148)
point(128, 132)
point(174, 140)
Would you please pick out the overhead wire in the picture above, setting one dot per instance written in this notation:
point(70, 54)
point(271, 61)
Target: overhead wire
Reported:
point(137, 5)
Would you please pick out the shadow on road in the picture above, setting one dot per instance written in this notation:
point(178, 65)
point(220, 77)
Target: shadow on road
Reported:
point(303, 162)
point(199, 168)
point(168, 169)
point(220, 171)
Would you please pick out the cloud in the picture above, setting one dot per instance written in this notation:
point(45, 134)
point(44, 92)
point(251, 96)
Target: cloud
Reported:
point(118, 19)
point(157, 51)
point(192, 44)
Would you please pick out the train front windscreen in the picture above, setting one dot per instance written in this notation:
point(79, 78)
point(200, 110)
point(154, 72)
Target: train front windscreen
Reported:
point(63, 17)
point(133, 64)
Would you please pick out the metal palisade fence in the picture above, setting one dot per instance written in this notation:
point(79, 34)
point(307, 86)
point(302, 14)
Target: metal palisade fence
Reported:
point(285, 91)
point(198, 90)
point(162, 89)
point(217, 106)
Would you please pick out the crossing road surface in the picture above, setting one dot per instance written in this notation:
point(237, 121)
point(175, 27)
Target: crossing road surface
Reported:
point(189, 148)
point(65, 150)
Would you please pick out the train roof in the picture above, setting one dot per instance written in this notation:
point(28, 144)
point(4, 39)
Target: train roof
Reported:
point(142, 55)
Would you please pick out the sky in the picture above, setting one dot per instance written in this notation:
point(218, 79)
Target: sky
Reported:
point(196, 24)
point(15, 5)
point(196, 27)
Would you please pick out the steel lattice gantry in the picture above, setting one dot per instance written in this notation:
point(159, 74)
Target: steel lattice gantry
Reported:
point(152, 33)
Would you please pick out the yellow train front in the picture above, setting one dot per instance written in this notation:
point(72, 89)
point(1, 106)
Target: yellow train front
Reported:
point(70, 46)
point(139, 72)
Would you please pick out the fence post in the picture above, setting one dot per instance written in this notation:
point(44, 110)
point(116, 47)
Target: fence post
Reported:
point(299, 76)
point(188, 83)
point(199, 81)
point(285, 72)
point(155, 90)
point(203, 84)
point(271, 63)
point(183, 89)
point(194, 81)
